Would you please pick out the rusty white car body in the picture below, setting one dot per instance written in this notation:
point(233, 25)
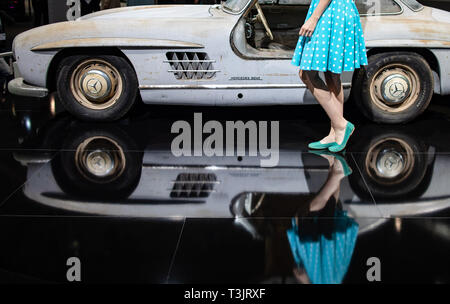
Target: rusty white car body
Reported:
point(202, 55)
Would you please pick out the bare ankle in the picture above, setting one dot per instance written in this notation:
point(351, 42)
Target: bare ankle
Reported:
point(340, 125)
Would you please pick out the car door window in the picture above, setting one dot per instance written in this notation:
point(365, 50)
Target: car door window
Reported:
point(377, 7)
point(365, 7)
point(413, 4)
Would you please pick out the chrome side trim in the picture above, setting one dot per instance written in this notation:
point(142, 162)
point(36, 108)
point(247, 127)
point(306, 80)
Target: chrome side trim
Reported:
point(128, 43)
point(429, 44)
point(6, 54)
point(346, 85)
point(230, 167)
point(211, 60)
point(193, 71)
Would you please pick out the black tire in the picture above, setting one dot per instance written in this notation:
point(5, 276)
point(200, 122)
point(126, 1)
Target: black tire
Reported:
point(79, 183)
point(410, 182)
point(414, 105)
point(123, 101)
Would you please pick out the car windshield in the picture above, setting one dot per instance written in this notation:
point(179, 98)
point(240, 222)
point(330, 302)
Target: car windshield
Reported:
point(413, 4)
point(235, 6)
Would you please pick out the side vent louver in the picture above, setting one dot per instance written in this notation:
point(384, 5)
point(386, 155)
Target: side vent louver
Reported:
point(193, 185)
point(191, 65)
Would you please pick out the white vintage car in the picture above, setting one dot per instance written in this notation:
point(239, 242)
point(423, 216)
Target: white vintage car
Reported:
point(234, 54)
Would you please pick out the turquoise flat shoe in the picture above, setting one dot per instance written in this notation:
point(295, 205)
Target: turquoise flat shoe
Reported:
point(345, 167)
point(349, 128)
point(317, 145)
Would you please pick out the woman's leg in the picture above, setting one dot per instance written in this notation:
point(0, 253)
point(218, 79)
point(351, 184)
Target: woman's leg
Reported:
point(328, 100)
point(320, 91)
point(334, 83)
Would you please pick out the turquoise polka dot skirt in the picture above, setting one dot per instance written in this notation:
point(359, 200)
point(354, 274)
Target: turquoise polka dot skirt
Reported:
point(337, 43)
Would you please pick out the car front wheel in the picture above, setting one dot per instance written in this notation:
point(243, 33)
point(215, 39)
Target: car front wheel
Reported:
point(97, 162)
point(395, 87)
point(100, 88)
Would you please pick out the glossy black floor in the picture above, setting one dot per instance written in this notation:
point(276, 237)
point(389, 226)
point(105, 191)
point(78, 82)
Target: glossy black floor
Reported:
point(161, 219)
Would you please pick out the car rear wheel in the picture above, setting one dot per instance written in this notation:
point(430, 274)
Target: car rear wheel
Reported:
point(100, 88)
point(395, 87)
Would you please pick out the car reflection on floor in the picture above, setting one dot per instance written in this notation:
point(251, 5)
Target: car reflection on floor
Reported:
point(294, 214)
point(125, 170)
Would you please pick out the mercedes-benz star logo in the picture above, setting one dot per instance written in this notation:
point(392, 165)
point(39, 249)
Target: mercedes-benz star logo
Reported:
point(94, 86)
point(397, 89)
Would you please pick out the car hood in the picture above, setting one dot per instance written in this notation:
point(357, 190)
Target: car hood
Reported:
point(153, 11)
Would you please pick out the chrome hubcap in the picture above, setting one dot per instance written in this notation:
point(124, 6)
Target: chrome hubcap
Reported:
point(395, 88)
point(100, 163)
point(100, 159)
point(390, 163)
point(96, 85)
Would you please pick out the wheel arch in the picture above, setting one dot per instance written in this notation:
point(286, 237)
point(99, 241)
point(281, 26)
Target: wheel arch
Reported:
point(51, 72)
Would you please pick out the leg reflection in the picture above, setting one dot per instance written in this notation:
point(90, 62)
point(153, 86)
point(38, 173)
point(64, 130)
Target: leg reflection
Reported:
point(323, 239)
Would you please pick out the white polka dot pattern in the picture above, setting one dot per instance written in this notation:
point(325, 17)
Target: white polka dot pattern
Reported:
point(337, 43)
point(325, 257)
